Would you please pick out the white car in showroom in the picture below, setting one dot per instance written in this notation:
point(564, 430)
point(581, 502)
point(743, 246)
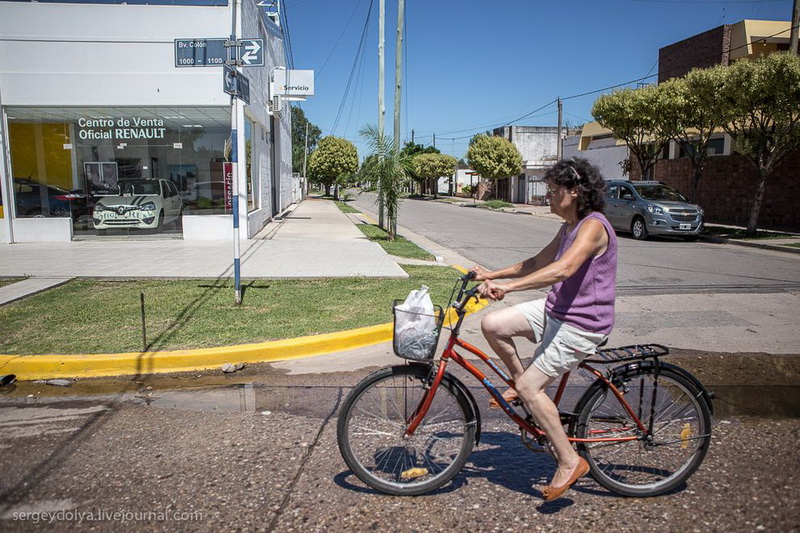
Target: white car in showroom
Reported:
point(138, 203)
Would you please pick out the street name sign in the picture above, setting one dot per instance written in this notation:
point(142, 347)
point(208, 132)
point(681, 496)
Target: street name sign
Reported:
point(236, 84)
point(200, 52)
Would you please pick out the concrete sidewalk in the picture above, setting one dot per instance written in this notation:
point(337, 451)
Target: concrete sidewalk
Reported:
point(314, 240)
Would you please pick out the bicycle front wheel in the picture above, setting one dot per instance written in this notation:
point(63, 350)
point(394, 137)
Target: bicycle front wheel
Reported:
point(677, 434)
point(372, 424)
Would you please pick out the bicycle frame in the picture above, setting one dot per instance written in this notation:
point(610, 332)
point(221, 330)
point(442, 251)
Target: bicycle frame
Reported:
point(451, 354)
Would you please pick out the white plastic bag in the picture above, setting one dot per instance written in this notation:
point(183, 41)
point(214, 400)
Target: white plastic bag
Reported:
point(415, 332)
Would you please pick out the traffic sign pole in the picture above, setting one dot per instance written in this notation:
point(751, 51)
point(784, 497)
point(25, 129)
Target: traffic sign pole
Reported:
point(235, 105)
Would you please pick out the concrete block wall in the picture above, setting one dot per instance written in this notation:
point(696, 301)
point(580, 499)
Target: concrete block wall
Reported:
point(728, 186)
point(700, 51)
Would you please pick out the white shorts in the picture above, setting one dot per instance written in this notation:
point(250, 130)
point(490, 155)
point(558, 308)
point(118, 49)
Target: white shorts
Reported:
point(562, 346)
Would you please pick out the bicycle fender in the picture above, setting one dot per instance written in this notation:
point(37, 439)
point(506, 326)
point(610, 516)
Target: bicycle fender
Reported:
point(476, 412)
point(619, 373)
point(457, 384)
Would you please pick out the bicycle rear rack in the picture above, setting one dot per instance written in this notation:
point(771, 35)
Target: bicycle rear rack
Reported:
point(635, 352)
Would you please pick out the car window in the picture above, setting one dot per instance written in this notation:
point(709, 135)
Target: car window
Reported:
point(625, 193)
point(659, 192)
point(173, 191)
point(137, 187)
point(22, 188)
point(612, 191)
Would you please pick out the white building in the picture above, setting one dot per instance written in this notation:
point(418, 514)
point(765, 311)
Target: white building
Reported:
point(538, 146)
point(91, 94)
point(598, 145)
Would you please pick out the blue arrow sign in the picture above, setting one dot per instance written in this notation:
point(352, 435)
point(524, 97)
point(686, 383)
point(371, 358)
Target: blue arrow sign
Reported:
point(251, 52)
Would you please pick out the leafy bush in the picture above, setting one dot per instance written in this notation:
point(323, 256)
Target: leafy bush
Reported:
point(497, 204)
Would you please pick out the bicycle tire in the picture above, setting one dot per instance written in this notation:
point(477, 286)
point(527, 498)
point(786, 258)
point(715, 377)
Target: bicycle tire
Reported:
point(681, 430)
point(372, 422)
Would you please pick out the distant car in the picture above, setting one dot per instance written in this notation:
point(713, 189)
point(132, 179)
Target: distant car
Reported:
point(646, 208)
point(33, 199)
point(138, 203)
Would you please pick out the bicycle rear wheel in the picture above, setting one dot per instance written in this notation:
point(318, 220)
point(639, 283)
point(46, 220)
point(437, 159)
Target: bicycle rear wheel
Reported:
point(652, 464)
point(373, 421)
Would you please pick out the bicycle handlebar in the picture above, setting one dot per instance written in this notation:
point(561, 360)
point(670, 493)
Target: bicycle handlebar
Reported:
point(464, 295)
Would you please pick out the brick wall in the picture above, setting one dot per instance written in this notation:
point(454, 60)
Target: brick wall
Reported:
point(728, 186)
point(701, 51)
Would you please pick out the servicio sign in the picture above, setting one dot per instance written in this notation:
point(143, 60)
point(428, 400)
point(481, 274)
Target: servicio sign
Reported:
point(293, 83)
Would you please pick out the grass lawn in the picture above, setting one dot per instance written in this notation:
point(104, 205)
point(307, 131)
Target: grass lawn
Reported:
point(400, 247)
point(89, 316)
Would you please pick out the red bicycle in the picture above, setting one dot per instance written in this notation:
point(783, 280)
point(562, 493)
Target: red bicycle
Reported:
point(643, 425)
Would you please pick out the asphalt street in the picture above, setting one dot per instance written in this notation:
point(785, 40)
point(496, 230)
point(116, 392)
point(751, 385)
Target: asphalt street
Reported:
point(256, 451)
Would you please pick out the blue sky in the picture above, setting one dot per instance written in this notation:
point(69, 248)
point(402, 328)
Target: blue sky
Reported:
point(474, 65)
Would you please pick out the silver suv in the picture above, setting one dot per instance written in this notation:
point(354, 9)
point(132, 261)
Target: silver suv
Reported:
point(646, 208)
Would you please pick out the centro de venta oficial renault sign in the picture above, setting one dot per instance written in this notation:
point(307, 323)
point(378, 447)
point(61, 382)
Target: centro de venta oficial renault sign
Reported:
point(119, 129)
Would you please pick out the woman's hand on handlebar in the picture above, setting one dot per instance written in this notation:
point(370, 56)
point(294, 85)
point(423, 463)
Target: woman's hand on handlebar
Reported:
point(480, 273)
point(492, 291)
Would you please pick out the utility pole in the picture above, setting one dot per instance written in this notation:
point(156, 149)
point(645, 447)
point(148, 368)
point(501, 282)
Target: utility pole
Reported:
point(560, 147)
point(398, 76)
point(412, 136)
point(381, 90)
point(305, 162)
point(398, 69)
point(793, 40)
point(434, 140)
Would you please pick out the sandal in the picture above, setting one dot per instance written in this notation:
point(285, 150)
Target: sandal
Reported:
point(510, 396)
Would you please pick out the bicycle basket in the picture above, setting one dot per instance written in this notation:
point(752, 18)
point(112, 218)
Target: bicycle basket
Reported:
point(416, 335)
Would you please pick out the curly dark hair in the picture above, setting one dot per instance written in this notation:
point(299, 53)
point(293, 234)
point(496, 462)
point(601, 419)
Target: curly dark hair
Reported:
point(580, 173)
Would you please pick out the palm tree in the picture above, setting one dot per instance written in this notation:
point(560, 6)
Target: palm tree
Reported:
point(390, 168)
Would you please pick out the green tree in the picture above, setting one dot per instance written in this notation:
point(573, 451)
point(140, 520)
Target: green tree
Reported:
point(494, 157)
point(388, 166)
point(299, 122)
point(413, 149)
point(760, 106)
point(690, 108)
point(332, 158)
point(430, 167)
point(640, 117)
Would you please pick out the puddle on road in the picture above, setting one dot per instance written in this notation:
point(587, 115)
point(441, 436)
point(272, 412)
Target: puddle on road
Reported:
point(310, 401)
point(774, 401)
point(316, 401)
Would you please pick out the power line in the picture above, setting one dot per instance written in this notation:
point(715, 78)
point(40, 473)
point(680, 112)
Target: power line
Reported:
point(353, 69)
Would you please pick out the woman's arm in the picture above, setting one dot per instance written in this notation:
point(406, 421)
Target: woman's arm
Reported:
point(591, 241)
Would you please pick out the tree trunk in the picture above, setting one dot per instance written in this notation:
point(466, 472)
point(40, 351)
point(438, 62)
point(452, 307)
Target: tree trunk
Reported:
point(327, 189)
point(752, 223)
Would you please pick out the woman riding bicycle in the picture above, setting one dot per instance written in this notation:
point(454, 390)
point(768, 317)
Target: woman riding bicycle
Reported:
point(580, 264)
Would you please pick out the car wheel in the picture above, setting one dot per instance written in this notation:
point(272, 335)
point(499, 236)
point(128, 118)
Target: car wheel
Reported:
point(639, 229)
point(160, 224)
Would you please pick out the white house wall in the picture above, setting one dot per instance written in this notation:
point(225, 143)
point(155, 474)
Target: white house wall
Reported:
point(606, 157)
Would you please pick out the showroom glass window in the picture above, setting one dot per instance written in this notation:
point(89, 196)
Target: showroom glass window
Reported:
point(65, 161)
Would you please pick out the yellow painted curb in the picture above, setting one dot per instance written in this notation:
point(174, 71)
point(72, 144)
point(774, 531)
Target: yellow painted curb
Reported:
point(33, 367)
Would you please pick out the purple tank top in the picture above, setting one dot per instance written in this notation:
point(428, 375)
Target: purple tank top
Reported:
point(586, 299)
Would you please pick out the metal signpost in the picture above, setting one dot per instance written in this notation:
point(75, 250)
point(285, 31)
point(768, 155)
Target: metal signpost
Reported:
point(230, 54)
